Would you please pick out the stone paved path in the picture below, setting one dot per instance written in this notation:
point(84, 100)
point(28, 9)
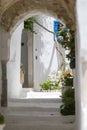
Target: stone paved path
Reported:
point(37, 113)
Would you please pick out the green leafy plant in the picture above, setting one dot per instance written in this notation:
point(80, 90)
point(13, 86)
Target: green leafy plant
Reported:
point(66, 38)
point(49, 85)
point(2, 120)
point(68, 99)
point(28, 24)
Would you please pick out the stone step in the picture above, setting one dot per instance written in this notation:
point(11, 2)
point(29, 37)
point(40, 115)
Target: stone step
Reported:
point(35, 100)
point(29, 119)
point(26, 93)
point(31, 113)
point(39, 120)
point(29, 109)
point(43, 105)
point(40, 126)
point(50, 103)
point(36, 114)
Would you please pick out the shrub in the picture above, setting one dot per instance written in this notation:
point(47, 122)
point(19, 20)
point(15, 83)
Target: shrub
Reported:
point(1, 119)
point(68, 93)
point(46, 85)
point(49, 85)
point(68, 106)
point(67, 81)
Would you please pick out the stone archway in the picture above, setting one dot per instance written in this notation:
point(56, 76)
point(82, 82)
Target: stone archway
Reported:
point(13, 13)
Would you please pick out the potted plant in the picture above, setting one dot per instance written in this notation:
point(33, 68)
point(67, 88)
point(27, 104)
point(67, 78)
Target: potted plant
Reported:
point(66, 80)
point(2, 122)
point(68, 105)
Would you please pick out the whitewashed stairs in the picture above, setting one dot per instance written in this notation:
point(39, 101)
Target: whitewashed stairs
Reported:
point(36, 114)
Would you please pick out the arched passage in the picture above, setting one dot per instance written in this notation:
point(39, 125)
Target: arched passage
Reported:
point(9, 17)
point(17, 12)
point(41, 68)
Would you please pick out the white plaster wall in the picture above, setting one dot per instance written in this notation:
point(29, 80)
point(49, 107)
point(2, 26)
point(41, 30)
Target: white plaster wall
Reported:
point(44, 50)
point(13, 66)
point(81, 90)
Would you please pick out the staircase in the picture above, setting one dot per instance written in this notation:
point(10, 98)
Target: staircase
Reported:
point(36, 114)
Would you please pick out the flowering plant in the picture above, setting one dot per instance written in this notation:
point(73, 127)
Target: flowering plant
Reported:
point(66, 79)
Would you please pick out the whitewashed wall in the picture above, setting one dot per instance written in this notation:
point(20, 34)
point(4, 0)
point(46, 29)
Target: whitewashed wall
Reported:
point(44, 51)
point(45, 57)
point(13, 66)
point(81, 70)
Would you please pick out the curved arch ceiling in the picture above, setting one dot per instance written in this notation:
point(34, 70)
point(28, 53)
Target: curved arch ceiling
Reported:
point(13, 12)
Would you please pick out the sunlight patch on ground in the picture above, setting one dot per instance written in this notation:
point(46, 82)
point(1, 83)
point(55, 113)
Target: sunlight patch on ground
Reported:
point(43, 95)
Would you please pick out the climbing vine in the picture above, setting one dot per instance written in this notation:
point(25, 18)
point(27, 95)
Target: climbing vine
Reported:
point(66, 38)
point(28, 25)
